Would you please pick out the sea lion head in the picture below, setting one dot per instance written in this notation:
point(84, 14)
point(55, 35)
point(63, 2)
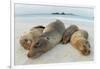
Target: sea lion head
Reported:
point(26, 41)
point(68, 33)
point(38, 48)
point(66, 38)
point(84, 47)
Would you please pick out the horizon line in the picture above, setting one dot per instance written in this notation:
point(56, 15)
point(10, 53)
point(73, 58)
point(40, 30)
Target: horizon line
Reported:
point(91, 7)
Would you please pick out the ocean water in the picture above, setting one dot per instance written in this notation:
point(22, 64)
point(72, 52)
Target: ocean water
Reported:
point(30, 18)
point(28, 13)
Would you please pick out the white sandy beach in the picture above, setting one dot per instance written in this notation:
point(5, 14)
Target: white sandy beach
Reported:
point(61, 53)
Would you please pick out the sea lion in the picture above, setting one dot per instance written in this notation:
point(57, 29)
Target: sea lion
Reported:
point(68, 33)
point(80, 42)
point(27, 39)
point(51, 36)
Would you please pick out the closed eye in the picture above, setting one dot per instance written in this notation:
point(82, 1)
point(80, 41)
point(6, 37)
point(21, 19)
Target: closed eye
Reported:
point(48, 38)
point(25, 40)
point(37, 45)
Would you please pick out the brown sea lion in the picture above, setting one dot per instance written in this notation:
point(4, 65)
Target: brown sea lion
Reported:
point(80, 42)
point(27, 39)
point(52, 35)
point(68, 33)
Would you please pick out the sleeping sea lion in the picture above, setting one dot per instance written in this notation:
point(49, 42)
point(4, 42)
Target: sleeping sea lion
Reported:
point(51, 36)
point(80, 42)
point(27, 39)
point(68, 33)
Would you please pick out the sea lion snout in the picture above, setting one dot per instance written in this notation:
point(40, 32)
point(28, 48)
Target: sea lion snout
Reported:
point(83, 46)
point(34, 53)
point(38, 48)
point(66, 38)
point(29, 55)
point(86, 48)
point(85, 52)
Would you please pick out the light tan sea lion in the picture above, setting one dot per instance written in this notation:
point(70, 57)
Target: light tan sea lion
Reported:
point(52, 35)
point(27, 39)
point(80, 42)
point(68, 33)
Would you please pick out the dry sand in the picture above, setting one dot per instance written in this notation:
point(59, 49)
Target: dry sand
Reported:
point(61, 53)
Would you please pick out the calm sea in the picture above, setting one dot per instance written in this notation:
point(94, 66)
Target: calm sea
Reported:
point(30, 13)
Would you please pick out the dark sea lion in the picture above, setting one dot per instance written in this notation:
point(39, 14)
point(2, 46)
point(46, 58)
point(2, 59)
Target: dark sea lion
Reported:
point(68, 33)
point(51, 36)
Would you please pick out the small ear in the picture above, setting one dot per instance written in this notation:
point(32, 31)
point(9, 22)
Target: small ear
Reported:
point(25, 40)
